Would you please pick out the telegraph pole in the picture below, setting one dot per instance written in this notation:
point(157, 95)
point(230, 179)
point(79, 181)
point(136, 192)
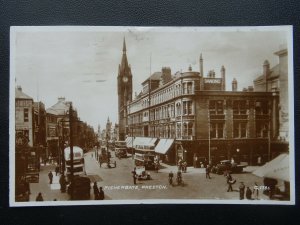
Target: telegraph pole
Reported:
point(71, 147)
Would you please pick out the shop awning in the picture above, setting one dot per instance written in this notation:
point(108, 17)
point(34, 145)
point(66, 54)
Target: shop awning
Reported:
point(277, 168)
point(129, 142)
point(163, 146)
point(144, 141)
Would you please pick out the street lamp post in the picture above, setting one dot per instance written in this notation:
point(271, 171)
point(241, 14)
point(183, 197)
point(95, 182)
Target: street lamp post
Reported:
point(238, 155)
point(71, 147)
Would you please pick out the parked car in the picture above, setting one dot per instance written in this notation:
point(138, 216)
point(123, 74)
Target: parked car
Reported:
point(142, 174)
point(228, 166)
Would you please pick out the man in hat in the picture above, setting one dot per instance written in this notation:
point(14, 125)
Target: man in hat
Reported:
point(50, 175)
point(242, 190)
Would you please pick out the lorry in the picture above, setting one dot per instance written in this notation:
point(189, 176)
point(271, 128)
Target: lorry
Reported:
point(226, 166)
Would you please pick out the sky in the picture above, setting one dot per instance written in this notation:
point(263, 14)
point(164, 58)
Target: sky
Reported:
point(81, 63)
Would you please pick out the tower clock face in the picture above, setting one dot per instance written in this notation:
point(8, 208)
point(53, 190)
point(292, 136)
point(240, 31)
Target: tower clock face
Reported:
point(125, 79)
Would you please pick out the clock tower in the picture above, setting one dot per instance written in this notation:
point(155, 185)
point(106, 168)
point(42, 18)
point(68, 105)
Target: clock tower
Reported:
point(124, 92)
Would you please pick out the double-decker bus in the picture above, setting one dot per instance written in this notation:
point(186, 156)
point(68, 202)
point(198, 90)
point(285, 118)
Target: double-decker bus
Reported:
point(78, 161)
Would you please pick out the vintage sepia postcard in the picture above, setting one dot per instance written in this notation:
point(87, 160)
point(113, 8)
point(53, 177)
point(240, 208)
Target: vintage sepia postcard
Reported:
point(152, 115)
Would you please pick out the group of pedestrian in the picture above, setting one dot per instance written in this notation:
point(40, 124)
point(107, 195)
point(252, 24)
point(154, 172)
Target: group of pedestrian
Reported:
point(182, 165)
point(248, 193)
point(98, 192)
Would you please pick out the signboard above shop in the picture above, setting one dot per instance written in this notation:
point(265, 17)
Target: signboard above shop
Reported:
point(212, 84)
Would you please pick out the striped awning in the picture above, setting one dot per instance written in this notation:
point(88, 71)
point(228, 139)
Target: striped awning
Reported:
point(163, 146)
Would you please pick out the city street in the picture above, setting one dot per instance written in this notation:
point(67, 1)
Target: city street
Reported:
point(118, 182)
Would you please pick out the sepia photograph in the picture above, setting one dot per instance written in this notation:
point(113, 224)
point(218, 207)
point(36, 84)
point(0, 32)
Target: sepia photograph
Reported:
point(151, 115)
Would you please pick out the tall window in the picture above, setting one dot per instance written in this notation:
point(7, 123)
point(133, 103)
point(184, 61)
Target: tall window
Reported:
point(187, 108)
point(190, 88)
point(26, 114)
point(216, 107)
point(178, 109)
point(239, 130)
point(261, 107)
point(178, 130)
point(216, 130)
point(262, 129)
point(239, 107)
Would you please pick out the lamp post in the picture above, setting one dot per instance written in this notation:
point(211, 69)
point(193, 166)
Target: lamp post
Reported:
point(238, 155)
point(71, 147)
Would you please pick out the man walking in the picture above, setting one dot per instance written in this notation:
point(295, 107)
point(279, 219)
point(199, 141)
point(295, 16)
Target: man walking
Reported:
point(242, 191)
point(207, 170)
point(134, 176)
point(229, 182)
point(50, 175)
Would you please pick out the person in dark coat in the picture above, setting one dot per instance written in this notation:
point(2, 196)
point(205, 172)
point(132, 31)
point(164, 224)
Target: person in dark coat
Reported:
point(229, 182)
point(207, 170)
point(96, 191)
point(50, 175)
point(39, 198)
point(62, 182)
point(134, 175)
point(248, 193)
point(242, 191)
point(101, 194)
point(56, 170)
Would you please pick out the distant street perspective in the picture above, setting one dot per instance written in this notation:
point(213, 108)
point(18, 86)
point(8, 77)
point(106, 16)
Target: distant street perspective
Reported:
point(132, 115)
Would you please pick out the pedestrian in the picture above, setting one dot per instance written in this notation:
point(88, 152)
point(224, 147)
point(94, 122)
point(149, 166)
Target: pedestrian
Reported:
point(230, 182)
point(101, 194)
point(96, 191)
point(242, 190)
point(255, 191)
point(56, 170)
point(248, 193)
point(207, 170)
point(179, 164)
point(134, 176)
point(62, 182)
point(39, 198)
point(50, 175)
point(184, 166)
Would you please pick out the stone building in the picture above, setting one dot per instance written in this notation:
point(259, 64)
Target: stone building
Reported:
point(193, 117)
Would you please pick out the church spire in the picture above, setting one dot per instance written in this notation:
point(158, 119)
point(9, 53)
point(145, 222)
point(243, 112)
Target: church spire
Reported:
point(124, 63)
point(124, 46)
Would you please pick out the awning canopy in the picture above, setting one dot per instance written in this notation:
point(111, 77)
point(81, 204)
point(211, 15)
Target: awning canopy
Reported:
point(144, 142)
point(277, 168)
point(164, 145)
point(129, 142)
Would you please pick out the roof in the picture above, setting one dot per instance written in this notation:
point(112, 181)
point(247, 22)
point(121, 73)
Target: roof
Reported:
point(154, 76)
point(21, 95)
point(274, 73)
point(59, 108)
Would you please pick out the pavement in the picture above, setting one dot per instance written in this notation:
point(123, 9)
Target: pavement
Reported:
point(118, 184)
point(49, 191)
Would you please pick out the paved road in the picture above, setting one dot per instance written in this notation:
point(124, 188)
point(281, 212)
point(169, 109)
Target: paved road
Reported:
point(118, 182)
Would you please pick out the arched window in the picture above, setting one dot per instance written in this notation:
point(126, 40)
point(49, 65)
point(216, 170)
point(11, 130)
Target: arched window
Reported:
point(178, 109)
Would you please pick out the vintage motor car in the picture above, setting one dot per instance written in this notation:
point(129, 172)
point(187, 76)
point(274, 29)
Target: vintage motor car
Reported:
point(226, 166)
point(142, 174)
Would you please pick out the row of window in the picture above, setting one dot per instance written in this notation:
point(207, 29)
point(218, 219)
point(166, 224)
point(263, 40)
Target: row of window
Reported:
point(164, 112)
point(185, 130)
point(239, 107)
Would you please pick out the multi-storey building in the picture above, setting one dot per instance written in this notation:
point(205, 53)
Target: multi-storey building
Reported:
point(23, 118)
point(276, 79)
point(205, 122)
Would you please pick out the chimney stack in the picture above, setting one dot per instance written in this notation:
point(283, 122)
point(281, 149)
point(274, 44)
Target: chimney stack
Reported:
point(234, 84)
